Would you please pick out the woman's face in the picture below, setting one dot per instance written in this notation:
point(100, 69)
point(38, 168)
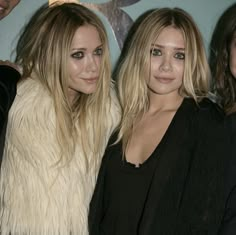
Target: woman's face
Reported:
point(167, 62)
point(84, 61)
point(232, 57)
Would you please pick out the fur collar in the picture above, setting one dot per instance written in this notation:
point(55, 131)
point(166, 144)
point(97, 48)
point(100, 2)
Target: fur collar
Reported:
point(36, 196)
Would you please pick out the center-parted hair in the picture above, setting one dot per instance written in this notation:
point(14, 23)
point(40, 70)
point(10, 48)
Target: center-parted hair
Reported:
point(43, 51)
point(135, 63)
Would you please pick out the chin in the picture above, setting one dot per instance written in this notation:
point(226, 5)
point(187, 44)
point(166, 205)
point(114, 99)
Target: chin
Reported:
point(89, 91)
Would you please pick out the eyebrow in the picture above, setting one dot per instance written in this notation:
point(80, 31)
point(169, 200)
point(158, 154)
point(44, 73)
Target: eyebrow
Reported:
point(175, 48)
point(84, 49)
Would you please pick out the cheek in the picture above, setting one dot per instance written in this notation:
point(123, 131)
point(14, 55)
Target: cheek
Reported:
point(98, 61)
point(232, 63)
point(180, 69)
point(155, 63)
point(75, 68)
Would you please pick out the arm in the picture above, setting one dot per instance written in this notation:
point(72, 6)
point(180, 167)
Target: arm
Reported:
point(203, 199)
point(228, 225)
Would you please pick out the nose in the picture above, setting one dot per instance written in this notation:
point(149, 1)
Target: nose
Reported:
point(92, 65)
point(166, 64)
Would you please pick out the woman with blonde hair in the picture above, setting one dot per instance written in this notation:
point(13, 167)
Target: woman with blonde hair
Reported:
point(163, 172)
point(59, 124)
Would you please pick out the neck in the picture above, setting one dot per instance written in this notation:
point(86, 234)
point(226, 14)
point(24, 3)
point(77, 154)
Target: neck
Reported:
point(164, 102)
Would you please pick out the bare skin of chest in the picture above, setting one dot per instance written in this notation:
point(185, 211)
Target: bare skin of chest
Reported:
point(147, 135)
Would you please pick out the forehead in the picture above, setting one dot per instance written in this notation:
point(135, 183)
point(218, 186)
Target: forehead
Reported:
point(170, 35)
point(86, 36)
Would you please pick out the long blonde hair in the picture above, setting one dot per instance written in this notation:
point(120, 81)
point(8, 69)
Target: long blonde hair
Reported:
point(42, 51)
point(134, 65)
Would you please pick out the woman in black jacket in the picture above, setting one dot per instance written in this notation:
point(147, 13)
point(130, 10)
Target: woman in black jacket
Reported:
point(163, 171)
point(223, 65)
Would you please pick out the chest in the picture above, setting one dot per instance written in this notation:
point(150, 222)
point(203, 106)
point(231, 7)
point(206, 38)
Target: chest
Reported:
point(147, 134)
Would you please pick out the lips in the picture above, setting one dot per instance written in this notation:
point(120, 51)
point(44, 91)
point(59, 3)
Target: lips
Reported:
point(164, 80)
point(91, 80)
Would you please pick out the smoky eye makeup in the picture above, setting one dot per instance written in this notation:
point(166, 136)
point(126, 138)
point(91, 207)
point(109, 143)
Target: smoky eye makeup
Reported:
point(77, 54)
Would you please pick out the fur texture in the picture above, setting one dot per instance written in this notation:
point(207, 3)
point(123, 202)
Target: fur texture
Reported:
point(38, 197)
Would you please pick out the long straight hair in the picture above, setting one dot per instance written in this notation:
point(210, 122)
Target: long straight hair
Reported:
point(135, 64)
point(43, 52)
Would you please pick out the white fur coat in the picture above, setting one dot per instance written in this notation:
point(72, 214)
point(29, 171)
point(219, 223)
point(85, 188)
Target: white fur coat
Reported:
point(37, 197)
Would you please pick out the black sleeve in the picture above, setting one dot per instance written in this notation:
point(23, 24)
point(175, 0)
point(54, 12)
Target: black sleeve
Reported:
point(8, 81)
point(203, 199)
point(228, 226)
point(96, 205)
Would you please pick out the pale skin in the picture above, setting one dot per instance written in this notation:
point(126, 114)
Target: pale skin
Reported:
point(167, 68)
point(232, 64)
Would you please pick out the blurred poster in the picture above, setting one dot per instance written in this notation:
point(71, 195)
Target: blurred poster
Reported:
point(118, 19)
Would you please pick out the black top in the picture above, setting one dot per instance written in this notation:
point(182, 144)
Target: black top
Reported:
point(125, 194)
point(181, 191)
point(228, 226)
point(8, 81)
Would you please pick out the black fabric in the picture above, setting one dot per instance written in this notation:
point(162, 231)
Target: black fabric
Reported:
point(186, 193)
point(8, 80)
point(125, 195)
point(228, 226)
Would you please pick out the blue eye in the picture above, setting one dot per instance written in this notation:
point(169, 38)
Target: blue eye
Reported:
point(78, 55)
point(98, 51)
point(155, 52)
point(180, 56)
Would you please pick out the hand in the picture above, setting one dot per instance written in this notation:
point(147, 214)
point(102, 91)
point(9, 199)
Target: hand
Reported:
point(10, 64)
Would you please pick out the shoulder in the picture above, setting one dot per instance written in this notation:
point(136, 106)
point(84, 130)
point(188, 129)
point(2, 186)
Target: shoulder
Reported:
point(204, 112)
point(206, 119)
point(31, 97)
point(230, 122)
point(9, 74)
point(30, 88)
point(208, 111)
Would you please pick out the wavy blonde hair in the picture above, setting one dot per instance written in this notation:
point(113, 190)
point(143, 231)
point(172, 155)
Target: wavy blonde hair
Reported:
point(134, 64)
point(43, 52)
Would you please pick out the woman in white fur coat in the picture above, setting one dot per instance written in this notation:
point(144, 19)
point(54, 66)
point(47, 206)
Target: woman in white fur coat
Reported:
point(59, 124)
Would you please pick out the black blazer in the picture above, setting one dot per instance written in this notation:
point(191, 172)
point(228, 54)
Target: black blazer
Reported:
point(8, 80)
point(190, 199)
